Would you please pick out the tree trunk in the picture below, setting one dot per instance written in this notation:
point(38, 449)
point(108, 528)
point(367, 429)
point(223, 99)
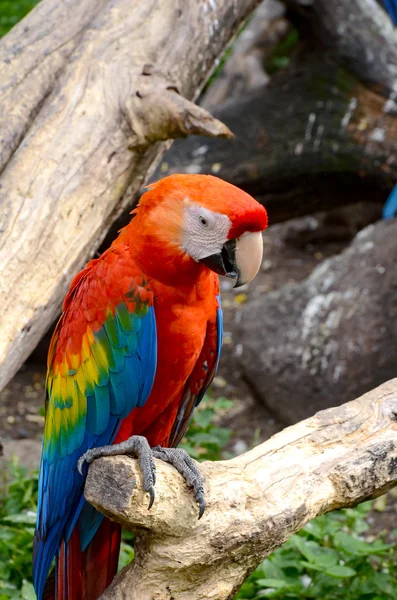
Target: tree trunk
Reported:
point(255, 502)
point(89, 89)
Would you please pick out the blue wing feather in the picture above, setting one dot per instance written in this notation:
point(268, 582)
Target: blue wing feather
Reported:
point(131, 345)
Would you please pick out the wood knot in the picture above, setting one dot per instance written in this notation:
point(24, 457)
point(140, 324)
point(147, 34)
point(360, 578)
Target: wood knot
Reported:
point(147, 69)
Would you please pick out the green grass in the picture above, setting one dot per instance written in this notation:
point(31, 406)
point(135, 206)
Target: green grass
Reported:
point(12, 11)
point(204, 440)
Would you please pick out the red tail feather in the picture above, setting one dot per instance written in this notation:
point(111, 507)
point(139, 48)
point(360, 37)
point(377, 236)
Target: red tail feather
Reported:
point(86, 575)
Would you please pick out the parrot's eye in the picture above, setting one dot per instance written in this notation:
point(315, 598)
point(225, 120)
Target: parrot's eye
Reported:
point(204, 221)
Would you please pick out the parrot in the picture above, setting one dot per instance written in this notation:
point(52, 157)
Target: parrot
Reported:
point(133, 353)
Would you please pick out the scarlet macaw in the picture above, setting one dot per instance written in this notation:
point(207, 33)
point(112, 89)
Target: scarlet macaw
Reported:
point(133, 353)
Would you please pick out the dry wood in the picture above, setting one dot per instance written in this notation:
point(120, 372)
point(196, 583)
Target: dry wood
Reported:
point(255, 502)
point(87, 91)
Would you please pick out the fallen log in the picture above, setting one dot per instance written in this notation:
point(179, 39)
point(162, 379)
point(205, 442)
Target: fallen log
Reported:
point(89, 91)
point(255, 502)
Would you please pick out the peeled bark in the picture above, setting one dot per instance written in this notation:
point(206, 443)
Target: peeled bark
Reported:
point(255, 502)
point(89, 92)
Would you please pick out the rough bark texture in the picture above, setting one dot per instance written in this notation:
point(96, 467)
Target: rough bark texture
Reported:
point(88, 89)
point(255, 502)
point(328, 338)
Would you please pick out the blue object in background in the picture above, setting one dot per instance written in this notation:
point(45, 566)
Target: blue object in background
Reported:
point(391, 7)
point(390, 207)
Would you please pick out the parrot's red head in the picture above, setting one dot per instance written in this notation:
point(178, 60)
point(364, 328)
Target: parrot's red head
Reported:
point(190, 220)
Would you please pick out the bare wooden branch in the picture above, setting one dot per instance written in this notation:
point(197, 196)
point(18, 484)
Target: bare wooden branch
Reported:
point(87, 88)
point(168, 114)
point(255, 502)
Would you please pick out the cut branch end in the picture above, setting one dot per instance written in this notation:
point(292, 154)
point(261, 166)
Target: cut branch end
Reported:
point(168, 115)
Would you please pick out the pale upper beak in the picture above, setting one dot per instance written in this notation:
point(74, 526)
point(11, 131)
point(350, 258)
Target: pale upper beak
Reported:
point(239, 259)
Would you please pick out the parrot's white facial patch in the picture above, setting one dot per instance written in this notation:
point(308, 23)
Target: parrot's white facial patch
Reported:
point(205, 231)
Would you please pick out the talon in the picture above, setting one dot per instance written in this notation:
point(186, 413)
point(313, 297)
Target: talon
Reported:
point(152, 493)
point(186, 466)
point(80, 464)
point(201, 503)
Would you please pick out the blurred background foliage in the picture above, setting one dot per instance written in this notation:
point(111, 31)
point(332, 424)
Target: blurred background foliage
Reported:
point(12, 11)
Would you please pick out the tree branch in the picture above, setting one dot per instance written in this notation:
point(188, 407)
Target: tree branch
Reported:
point(255, 502)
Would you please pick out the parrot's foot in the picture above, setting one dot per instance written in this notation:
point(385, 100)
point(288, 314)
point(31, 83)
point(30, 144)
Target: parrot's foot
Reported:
point(136, 445)
point(186, 466)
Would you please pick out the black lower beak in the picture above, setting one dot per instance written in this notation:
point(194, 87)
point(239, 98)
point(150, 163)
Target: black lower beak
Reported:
point(224, 263)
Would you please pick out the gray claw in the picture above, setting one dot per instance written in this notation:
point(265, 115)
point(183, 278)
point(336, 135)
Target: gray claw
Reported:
point(201, 503)
point(138, 446)
point(152, 494)
point(86, 458)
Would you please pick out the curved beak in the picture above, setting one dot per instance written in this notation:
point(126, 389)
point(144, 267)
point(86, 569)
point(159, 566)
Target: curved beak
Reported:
point(239, 259)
